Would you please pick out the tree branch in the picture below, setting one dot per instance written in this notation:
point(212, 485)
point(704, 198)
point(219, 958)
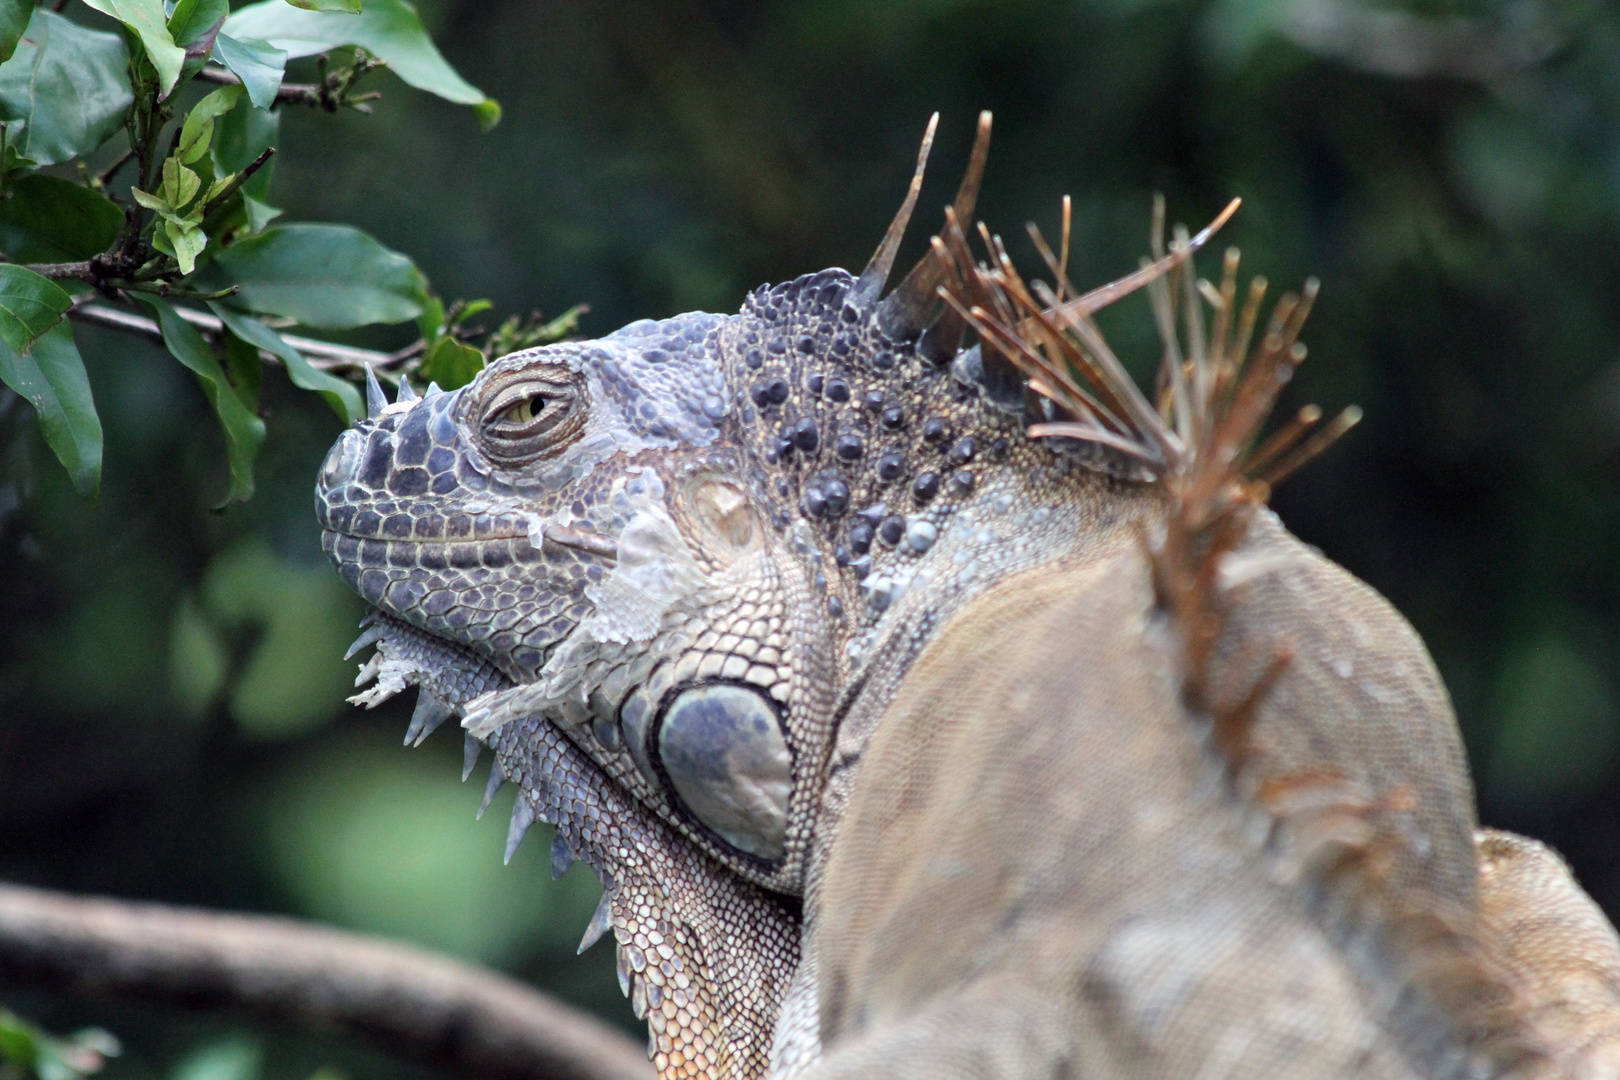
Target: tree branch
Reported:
point(473, 1022)
point(322, 354)
point(58, 271)
point(331, 93)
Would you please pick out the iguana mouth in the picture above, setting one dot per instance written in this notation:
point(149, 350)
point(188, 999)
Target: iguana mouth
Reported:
point(592, 543)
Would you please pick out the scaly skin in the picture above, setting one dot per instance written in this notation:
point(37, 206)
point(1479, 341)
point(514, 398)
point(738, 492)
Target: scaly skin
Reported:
point(676, 578)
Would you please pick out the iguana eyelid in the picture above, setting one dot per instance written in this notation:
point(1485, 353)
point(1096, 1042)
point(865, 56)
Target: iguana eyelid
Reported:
point(514, 395)
point(555, 405)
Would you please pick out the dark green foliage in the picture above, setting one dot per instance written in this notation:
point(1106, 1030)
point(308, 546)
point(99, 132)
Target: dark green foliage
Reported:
point(48, 219)
point(27, 1050)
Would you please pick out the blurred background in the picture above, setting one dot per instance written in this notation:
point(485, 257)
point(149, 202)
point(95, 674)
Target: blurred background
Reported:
point(172, 722)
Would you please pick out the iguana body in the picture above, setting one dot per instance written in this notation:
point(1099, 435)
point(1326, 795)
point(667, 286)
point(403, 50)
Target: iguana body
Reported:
point(886, 725)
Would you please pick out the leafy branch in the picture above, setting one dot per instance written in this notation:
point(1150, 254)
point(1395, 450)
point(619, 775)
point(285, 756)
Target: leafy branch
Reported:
point(182, 212)
point(332, 91)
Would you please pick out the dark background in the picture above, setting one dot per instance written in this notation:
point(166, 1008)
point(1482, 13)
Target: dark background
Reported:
point(172, 723)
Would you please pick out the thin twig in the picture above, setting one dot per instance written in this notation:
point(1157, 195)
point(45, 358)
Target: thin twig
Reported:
point(467, 1020)
point(58, 271)
point(286, 94)
point(321, 354)
point(236, 183)
point(332, 93)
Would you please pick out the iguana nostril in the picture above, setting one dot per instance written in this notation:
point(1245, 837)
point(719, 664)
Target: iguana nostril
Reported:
point(379, 455)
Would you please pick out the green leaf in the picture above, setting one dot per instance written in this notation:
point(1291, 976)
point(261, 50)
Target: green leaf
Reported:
point(180, 184)
point(329, 276)
point(188, 242)
point(217, 188)
point(67, 86)
point(259, 214)
point(146, 19)
point(489, 113)
point(46, 219)
point(14, 15)
point(245, 368)
point(471, 308)
point(451, 364)
point(150, 201)
point(350, 7)
point(260, 65)
point(197, 20)
point(430, 322)
point(388, 29)
point(51, 377)
point(198, 131)
point(339, 393)
point(242, 135)
point(193, 25)
point(243, 431)
point(29, 306)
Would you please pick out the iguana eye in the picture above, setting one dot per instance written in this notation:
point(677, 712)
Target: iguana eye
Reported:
point(525, 410)
point(531, 415)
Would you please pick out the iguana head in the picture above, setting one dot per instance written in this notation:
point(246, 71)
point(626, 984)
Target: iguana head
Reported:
point(650, 570)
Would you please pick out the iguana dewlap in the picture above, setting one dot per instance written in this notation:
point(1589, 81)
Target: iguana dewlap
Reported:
point(956, 712)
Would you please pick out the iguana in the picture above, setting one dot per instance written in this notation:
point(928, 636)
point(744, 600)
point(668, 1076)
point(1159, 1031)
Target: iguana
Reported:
point(942, 711)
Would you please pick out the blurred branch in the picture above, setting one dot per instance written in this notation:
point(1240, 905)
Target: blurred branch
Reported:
point(322, 354)
point(335, 90)
point(470, 1021)
point(1392, 42)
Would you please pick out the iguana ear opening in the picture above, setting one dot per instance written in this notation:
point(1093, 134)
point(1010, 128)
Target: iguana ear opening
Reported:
point(720, 507)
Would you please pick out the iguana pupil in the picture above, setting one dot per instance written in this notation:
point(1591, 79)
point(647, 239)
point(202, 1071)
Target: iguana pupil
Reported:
point(525, 410)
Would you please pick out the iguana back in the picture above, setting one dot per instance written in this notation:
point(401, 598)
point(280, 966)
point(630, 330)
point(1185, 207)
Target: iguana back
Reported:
point(1041, 828)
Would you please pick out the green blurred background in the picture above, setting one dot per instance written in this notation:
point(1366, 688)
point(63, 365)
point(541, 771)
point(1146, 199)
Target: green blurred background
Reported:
point(172, 723)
